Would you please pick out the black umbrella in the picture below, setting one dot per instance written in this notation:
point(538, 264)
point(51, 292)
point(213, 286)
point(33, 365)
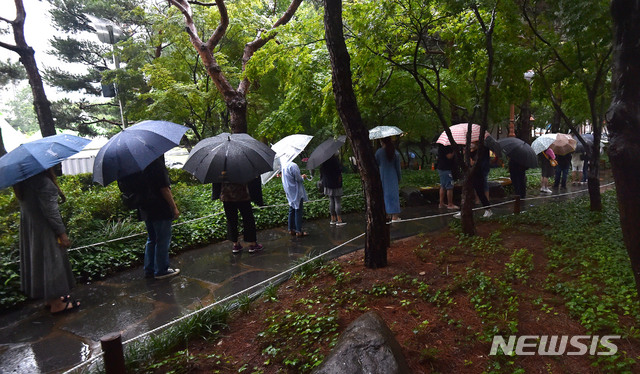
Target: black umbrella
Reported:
point(324, 151)
point(134, 148)
point(588, 138)
point(519, 152)
point(235, 158)
point(491, 143)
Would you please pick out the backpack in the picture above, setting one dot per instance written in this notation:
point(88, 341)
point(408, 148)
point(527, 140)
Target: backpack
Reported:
point(133, 190)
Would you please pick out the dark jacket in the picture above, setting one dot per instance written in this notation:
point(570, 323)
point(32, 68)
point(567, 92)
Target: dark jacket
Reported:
point(155, 207)
point(255, 191)
point(331, 173)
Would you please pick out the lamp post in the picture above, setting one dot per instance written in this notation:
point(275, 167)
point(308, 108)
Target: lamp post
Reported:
point(528, 76)
point(110, 33)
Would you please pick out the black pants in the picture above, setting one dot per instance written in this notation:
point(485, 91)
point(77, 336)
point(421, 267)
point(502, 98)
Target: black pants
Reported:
point(477, 179)
point(231, 209)
point(518, 179)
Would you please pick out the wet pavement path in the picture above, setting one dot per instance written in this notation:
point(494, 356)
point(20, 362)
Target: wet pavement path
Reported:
point(34, 341)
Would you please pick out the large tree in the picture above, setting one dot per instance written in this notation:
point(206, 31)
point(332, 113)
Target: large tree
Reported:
point(623, 121)
point(234, 98)
point(41, 104)
point(377, 232)
point(574, 59)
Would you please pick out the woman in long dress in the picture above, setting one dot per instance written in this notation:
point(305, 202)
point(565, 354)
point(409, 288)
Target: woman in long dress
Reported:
point(45, 270)
point(388, 160)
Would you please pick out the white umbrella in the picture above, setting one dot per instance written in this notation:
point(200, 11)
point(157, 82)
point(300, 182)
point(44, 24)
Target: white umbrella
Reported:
point(286, 150)
point(543, 142)
point(380, 132)
point(560, 143)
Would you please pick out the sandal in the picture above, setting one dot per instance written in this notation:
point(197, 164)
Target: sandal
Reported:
point(71, 305)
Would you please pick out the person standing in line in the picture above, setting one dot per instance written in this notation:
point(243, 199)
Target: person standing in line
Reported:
point(45, 270)
point(331, 176)
point(158, 210)
point(388, 160)
point(547, 160)
point(445, 167)
point(518, 175)
point(478, 178)
point(236, 197)
point(292, 182)
point(577, 164)
point(562, 171)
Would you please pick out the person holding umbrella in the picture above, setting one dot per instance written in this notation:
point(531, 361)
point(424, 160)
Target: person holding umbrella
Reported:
point(388, 160)
point(45, 270)
point(518, 175)
point(158, 210)
point(292, 182)
point(237, 197)
point(331, 175)
point(445, 167)
point(548, 162)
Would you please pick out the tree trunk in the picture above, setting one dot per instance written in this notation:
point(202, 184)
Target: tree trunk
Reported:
point(377, 231)
point(468, 201)
point(624, 124)
point(41, 104)
point(524, 123)
point(3, 150)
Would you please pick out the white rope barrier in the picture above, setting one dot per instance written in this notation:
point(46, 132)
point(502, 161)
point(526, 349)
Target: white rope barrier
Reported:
point(98, 244)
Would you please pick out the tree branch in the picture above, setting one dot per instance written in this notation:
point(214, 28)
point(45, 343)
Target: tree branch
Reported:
point(221, 30)
point(251, 47)
point(537, 34)
point(10, 47)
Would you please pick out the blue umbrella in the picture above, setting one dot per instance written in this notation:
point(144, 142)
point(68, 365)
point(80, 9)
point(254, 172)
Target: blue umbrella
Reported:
point(37, 156)
point(134, 148)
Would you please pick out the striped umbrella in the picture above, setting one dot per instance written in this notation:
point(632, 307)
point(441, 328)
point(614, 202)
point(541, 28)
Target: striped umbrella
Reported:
point(459, 133)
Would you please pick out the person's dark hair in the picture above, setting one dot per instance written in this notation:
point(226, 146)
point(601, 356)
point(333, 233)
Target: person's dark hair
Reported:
point(389, 148)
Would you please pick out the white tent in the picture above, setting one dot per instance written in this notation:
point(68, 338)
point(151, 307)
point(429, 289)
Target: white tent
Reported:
point(82, 162)
point(11, 137)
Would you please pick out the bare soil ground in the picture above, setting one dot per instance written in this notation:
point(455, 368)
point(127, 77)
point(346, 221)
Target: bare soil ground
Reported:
point(434, 298)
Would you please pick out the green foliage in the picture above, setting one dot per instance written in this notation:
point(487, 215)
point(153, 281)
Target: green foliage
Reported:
point(291, 337)
point(163, 349)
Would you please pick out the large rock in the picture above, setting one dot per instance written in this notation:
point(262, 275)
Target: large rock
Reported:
point(366, 346)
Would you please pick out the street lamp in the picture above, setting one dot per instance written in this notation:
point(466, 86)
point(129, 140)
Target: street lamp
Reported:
point(528, 76)
point(110, 33)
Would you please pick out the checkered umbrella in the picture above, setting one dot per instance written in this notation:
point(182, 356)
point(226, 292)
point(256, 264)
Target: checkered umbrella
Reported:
point(459, 133)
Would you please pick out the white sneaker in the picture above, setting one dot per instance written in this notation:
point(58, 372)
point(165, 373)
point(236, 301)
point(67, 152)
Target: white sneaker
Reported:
point(542, 189)
point(458, 215)
point(487, 213)
point(396, 220)
point(170, 273)
point(340, 223)
point(548, 190)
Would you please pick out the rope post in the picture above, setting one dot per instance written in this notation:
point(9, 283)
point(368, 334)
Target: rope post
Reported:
point(113, 353)
point(516, 205)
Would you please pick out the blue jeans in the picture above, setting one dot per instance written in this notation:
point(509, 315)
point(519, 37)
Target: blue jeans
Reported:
point(561, 177)
point(295, 218)
point(156, 253)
